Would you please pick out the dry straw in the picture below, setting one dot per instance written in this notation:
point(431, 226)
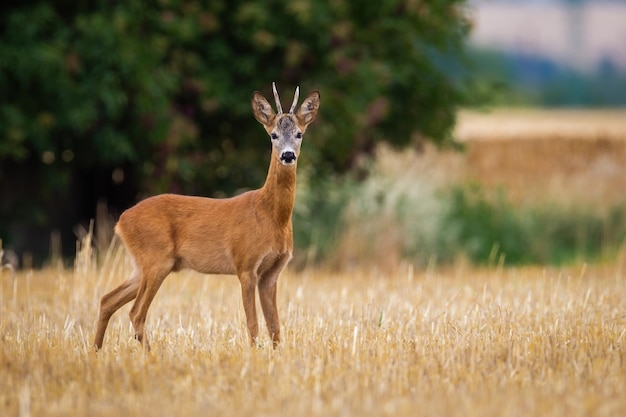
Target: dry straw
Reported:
point(456, 342)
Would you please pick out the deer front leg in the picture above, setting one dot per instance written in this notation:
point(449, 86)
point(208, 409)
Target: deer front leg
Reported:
point(267, 294)
point(248, 292)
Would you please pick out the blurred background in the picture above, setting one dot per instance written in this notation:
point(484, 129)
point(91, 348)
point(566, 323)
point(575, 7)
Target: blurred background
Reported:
point(553, 53)
point(492, 132)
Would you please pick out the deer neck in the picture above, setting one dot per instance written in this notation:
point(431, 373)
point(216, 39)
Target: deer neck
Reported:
point(279, 191)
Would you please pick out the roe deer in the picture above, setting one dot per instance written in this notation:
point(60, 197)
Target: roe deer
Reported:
point(249, 235)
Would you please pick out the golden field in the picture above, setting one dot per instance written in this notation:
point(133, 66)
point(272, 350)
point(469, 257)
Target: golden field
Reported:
point(380, 338)
point(453, 342)
point(562, 156)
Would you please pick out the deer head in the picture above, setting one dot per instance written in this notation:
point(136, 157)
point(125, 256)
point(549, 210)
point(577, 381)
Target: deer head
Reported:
point(285, 129)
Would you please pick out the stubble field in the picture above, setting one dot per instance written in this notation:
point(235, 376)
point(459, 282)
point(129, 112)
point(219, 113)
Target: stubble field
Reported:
point(453, 342)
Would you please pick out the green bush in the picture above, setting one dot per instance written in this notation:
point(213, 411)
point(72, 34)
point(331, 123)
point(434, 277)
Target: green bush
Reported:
point(483, 228)
point(160, 91)
point(442, 224)
point(488, 229)
point(319, 217)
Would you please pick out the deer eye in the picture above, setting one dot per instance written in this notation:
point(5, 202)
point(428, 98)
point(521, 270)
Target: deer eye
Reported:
point(299, 135)
point(274, 136)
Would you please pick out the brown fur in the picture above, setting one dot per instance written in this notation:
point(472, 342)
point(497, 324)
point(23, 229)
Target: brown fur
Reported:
point(249, 235)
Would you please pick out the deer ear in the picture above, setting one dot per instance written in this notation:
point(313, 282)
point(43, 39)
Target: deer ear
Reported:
point(262, 110)
point(308, 110)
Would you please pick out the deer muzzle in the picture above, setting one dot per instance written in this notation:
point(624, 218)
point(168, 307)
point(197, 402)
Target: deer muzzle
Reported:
point(288, 158)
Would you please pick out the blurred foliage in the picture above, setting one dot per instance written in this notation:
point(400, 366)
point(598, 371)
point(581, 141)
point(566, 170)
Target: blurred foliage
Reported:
point(510, 78)
point(161, 90)
point(168, 83)
point(488, 228)
point(449, 222)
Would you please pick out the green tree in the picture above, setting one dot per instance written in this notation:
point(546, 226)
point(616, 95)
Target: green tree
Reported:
point(155, 96)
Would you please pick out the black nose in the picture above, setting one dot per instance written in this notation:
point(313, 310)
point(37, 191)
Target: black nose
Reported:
point(288, 157)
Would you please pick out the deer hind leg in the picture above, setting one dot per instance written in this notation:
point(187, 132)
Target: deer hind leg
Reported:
point(248, 292)
point(150, 283)
point(113, 301)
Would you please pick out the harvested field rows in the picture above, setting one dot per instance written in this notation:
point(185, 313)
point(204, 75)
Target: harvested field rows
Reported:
point(457, 342)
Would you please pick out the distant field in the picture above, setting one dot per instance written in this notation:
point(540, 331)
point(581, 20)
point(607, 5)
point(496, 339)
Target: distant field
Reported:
point(502, 124)
point(454, 342)
point(567, 156)
point(572, 156)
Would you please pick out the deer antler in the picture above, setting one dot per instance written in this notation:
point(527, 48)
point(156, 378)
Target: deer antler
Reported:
point(295, 100)
point(278, 106)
